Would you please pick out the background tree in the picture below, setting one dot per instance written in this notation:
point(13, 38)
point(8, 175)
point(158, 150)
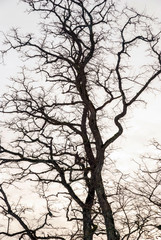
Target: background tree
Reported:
point(67, 111)
point(148, 189)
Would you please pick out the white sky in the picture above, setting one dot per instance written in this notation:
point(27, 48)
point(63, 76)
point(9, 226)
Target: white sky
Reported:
point(144, 124)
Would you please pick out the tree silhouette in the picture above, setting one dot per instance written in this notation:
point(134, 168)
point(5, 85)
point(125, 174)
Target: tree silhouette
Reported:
point(67, 113)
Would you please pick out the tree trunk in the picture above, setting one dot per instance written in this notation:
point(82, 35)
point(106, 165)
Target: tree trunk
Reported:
point(87, 224)
point(112, 233)
point(87, 220)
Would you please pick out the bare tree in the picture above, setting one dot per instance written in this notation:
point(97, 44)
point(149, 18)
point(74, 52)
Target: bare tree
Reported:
point(148, 190)
point(69, 111)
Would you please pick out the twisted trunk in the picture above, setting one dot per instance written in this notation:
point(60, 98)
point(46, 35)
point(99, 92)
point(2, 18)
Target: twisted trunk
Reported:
point(112, 233)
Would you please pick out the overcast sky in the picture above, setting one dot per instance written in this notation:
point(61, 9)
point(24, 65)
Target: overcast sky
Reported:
point(144, 124)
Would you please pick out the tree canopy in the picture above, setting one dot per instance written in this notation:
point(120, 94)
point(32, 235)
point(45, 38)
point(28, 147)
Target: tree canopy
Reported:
point(64, 112)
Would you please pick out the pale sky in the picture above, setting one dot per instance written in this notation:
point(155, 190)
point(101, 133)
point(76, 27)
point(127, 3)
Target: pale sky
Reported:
point(144, 124)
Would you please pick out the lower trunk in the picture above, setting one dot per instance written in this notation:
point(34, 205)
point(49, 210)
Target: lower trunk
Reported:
point(87, 224)
point(87, 221)
point(112, 233)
